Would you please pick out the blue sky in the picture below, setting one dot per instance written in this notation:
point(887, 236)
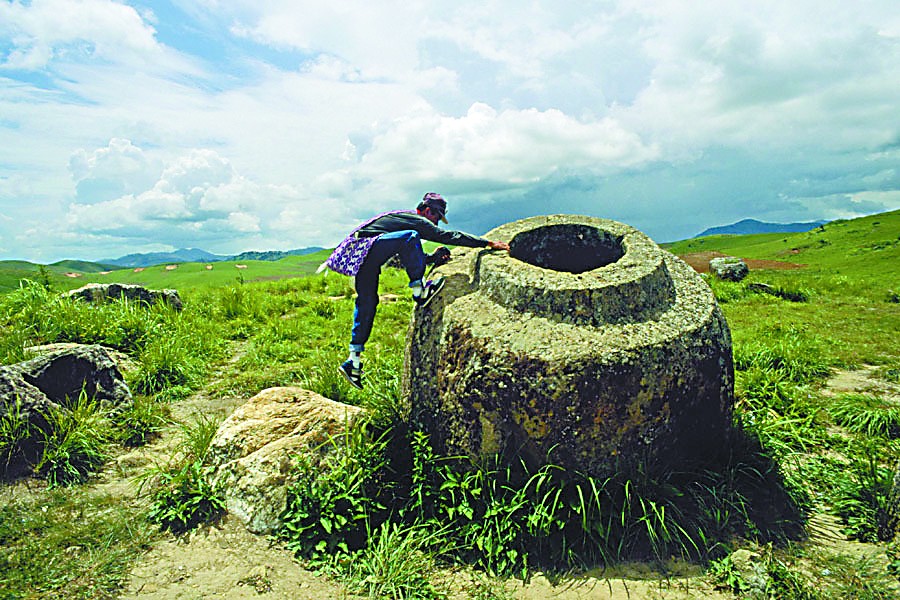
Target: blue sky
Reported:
point(278, 124)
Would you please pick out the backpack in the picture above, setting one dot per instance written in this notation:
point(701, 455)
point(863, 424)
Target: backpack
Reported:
point(349, 255)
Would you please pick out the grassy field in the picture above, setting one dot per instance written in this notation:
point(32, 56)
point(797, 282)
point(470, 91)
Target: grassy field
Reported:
point(386, 528)
point(183, 276)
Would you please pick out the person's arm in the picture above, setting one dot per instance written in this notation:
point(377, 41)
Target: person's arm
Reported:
point(433, 233)
point(428, 231)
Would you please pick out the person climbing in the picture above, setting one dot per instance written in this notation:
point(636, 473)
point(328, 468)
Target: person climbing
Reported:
point(363, 252)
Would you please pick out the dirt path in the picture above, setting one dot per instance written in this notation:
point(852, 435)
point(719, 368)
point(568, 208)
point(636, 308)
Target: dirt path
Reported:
point(225, 561)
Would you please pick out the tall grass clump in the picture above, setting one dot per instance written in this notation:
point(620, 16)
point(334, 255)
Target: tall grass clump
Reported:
point(181, 494)
point(398, 562)
point(76, 442)
point(14, 430)
point(790, 352)
point(166, 362)
point(867, 414)
point(142, 421)
point(866, 495)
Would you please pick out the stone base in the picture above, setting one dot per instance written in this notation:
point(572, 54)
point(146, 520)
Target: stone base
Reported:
point(621, 365)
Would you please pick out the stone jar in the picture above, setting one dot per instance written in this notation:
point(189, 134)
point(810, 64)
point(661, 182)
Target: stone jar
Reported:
point(586, 346)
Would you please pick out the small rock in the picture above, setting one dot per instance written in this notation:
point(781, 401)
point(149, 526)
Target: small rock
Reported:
point(728, 268)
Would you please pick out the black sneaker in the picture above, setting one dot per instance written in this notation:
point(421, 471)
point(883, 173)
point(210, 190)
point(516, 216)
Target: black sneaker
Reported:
point(429, 291)
point(352, 374)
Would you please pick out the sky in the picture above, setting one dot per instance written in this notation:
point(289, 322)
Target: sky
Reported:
point(243, 125)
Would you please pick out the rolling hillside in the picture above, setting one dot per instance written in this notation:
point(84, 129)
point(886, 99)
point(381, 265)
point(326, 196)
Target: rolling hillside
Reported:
point(867, 244)
point(72, 274)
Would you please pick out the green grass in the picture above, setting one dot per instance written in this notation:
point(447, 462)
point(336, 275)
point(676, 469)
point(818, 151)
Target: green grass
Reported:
point(388, 502)
point(180, 490)
point(76, 442)
point(68, 543)
point(185, 276)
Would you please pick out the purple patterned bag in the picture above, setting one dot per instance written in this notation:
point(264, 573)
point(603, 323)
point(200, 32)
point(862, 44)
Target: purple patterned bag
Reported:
point(349, 255)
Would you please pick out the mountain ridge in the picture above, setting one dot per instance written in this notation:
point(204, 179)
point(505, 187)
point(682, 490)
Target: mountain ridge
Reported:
point(183, 255)
point(751, 226)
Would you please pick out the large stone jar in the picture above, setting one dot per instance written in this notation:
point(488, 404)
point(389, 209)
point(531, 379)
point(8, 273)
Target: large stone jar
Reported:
point(586, 346)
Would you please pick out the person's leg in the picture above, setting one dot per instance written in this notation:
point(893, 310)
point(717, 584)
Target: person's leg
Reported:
point(366, 283)
point(406, 244)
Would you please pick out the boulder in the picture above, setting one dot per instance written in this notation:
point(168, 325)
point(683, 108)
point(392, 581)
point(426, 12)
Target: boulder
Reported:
point(252, 452)
point(63, 373)
point(729, 268)
point(586, 346)
point(101, 292)
point(125, 363)
point(30, 389)
point(22, 409)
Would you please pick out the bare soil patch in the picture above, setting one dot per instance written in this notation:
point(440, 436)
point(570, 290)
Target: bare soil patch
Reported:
point(224, 560)
point(699, 261)
point(864, 380)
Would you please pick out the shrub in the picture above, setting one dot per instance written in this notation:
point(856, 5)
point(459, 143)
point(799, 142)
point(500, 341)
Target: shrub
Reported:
point(332, 506)
point(183, 497)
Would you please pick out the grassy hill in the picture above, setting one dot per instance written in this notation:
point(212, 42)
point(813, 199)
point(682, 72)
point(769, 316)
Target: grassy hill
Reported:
point(71, 274)
point(840, 244)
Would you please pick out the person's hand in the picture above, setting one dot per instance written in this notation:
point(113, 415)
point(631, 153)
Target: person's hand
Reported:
point(498, 246)
point(440, 256)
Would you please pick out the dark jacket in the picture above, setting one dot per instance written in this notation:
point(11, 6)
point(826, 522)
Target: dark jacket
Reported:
point(403, 221)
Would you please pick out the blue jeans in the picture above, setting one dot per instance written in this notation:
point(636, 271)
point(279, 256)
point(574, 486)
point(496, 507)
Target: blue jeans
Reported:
point(408, 246)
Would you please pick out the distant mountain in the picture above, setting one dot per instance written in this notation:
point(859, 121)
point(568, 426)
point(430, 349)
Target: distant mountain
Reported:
point(157, 258)
point(197, 255)
point(748, 226)
point(274, 254)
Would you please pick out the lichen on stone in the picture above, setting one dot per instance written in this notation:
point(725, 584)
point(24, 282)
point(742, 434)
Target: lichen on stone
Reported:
point(587, 345)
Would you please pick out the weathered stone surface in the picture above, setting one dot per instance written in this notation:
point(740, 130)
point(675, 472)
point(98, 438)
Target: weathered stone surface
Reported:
point(125, 363)
point(20, 398)
point(586, 346)
point(253, 449)
point(62, 375)
point(52, 380)
point(728, 268)
point(100, 292)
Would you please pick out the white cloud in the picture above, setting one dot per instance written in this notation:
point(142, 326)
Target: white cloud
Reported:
point(378, 38)
point(769, 74)
point(282, 123)
point(46, 29)
point(507, 148)
point(200, 197)
point(119, 168)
